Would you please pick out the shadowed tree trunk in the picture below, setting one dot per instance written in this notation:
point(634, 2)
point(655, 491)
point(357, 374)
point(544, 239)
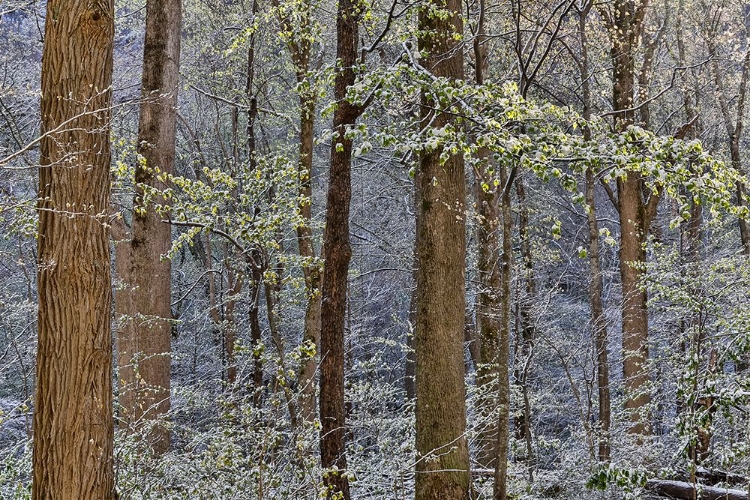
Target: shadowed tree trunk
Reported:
point(598, 320)
point(144, 339)
point(488, 274)
point(337, 251)
point(73, 426)
point(499, 492)
point(253, 261)
point(442, 469)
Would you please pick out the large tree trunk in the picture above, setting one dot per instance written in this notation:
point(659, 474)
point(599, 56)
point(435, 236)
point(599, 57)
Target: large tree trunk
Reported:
point(73, 426)
point(144, 340)
point(442, 470)
point(634, 219)
point(337, 251)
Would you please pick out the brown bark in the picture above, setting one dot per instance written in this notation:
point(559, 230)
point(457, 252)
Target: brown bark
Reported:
point(337, 251)
point(634, 214)
point(144, 340)
point(73, 425)
point(598, 323)
point(255, 334)
point(442, 469)
point(254, 261)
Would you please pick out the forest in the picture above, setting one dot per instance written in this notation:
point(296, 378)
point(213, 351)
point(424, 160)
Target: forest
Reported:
point(374, 249)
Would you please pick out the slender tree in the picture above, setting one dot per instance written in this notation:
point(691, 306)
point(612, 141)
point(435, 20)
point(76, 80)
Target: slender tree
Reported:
point(488, 271)
point(338, 252)
point(442, 470)
point(73, 406)
point(500, 490)
point(300, 50)
point(596, 284)
point(144, 340)
point(734, 121)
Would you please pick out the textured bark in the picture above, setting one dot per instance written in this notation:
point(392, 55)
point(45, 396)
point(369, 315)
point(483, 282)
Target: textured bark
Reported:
point(337, 251)
point(255, 334)
point(73, 428)
point(598, 320)
point(144, 340)
point(634, 309)
point(442, 469)
point(634, 218)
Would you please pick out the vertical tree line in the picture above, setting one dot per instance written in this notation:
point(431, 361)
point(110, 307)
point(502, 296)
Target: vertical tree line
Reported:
point(549, 171)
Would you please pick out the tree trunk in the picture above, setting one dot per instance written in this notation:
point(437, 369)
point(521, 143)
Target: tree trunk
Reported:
point(442, 469)
point(73, 426)
point(299, 49)
point(337, 251)
point(598, 323)
point(311, 269)
point(488, 275)
point(507, 174)
point(526, 320)
point(255, 332)
point(596, 285)
point(734, 128)
point(144, 341)
point(488, 318)
point(634, 220)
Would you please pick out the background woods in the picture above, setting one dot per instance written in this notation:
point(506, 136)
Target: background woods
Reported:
point(437, 249)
